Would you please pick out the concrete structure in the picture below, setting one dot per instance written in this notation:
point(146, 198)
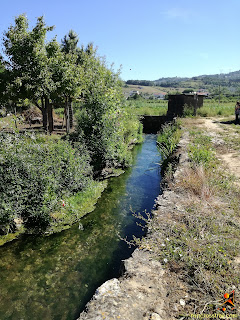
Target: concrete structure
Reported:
point(176, 103)
point(152, 124)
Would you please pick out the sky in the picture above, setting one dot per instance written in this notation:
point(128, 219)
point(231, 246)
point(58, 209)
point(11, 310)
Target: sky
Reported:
point(147, 40)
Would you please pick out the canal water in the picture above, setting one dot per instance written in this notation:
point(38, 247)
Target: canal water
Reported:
point(54, 277)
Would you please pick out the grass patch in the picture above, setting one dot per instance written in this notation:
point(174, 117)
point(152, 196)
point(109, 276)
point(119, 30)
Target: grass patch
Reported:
point(10, 237)
point(148, 107)
point(76, 206)
point(167, 141)
point(212, 109)
point(198, 237)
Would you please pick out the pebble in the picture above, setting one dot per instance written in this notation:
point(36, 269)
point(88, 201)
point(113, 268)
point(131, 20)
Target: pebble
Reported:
point(182, 302)
point(155, 316)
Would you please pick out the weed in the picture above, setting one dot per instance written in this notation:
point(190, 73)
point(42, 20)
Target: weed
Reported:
point(168, 138)
point(199, 239)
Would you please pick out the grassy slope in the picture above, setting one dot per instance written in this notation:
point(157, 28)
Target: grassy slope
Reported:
point(198, 238)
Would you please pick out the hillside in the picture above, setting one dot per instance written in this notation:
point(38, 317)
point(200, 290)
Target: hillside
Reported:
point(229, 83)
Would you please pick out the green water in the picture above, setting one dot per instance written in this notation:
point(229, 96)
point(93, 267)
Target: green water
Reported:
point(54, 277)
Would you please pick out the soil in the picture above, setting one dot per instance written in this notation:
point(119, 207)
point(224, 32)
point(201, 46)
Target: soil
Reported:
point(217, 129)
point(7, 124)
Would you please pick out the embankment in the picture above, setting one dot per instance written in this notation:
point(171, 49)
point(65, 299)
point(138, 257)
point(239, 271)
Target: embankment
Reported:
point(190, 256)
point(142, 291)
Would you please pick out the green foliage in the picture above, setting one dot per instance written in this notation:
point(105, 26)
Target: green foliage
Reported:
point(147, 107)
point(103, 123)
point(76, 206)
point(69, 42)
point(30, 76)
point(140, 82)
point(200, 152)
point(211, 108)
point(187, 91)
point(136, 96)
point(36, 174)
point(168, 139)
point(188, 111)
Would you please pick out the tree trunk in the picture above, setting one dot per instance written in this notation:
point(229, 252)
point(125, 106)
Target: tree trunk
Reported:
point(70, 113)
point(67, 115)
point(50, 115)
point(15, 113)
point(44, 115)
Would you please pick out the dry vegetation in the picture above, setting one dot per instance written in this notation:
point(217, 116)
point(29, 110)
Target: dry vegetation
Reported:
point(195, 232)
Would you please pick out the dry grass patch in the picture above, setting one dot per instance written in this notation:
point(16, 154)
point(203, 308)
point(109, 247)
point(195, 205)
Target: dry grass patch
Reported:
point(195, 180)
point(195, 232)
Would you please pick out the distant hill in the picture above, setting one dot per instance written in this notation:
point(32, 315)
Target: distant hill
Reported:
point(229, 83)
point(231, 76)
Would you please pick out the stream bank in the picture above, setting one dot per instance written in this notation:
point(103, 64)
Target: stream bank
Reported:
point(54, 277)
point(189, 258)
point(143, 291)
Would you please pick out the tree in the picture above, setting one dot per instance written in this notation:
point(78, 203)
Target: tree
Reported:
point(70, 42)
point(28, 64)
point(75, 55)
point(101, 118)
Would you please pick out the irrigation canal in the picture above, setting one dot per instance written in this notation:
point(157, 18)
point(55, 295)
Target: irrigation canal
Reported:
point(54, 277)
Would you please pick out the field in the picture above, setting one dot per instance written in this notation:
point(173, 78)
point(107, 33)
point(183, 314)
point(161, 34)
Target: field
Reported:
point(148, 107)
point(210, 108)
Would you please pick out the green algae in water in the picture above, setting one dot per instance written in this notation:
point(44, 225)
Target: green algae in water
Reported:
point(77, 206)
point(54, 277)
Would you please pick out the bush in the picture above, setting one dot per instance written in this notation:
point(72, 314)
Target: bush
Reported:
point(35, 175)
point(188, 111)
point(103, 122)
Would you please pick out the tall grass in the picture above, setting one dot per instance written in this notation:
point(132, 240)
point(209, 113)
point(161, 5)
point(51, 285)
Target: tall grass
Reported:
point(148, 107)
point(212, 108)
point(168, 138)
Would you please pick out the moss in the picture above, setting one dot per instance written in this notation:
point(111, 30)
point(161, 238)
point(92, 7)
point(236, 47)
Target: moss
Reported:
point(10, 237)
point(72, 209)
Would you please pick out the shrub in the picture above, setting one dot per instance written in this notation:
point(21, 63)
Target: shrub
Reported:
point(188, 111)
point(36, 174)
point(102, 119)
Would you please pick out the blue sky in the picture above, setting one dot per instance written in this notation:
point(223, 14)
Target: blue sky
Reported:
point(150, 39)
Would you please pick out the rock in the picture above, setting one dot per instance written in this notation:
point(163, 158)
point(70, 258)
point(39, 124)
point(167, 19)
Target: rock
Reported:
point(182, 302)
point(155, 316)
point(110, 287)
point(133, 295)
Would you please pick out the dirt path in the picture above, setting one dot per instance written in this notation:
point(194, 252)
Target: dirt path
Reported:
point(223, 135)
